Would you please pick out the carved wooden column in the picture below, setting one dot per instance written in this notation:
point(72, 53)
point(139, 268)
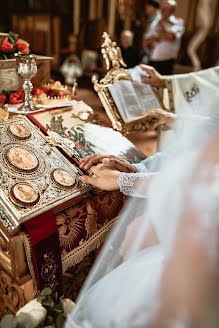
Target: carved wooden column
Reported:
point(128, 16)
point(76, 17)
point(99, 9)
point(111, 17)
point(92, 10)
point(12, 296)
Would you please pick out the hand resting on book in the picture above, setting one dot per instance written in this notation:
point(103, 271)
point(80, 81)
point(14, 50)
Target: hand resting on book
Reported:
point(114, 162)
point(106, 169)
point(104, 178)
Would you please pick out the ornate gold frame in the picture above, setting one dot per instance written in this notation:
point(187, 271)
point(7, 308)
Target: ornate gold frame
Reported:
point(113, 59)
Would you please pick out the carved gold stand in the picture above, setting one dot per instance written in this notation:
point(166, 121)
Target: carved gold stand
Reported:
point(113, 59)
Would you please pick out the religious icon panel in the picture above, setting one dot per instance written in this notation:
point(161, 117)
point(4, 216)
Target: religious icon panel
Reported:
point(63, 178)
point(19, 131)
point(24, 193)
point(22, 158)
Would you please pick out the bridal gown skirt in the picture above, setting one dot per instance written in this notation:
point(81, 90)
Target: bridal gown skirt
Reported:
point(125, 298)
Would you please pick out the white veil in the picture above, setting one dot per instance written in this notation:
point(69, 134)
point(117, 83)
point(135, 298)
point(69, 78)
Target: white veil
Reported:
point(160, 265)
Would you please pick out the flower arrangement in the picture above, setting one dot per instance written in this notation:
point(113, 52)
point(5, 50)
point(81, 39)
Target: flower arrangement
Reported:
point(11, 44)
point(17, 97)
point(47, 310)
point(12, 97)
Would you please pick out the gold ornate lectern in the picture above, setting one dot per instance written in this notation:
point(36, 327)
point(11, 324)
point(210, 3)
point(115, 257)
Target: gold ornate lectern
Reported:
point(115, 72)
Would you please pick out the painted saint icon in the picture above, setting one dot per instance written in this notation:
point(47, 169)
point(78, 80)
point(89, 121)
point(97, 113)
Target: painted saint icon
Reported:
point(19, 131)
point(63, 178)
point(25, 193)
point(22, 158)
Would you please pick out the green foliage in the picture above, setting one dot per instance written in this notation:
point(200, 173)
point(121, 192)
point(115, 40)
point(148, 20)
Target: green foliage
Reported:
point(12, 38)
point(7, 321)
point(7, 94)
point(60, 321)
point(3, 56)
point(46, 292)
point(55, 315)
point(24, 321)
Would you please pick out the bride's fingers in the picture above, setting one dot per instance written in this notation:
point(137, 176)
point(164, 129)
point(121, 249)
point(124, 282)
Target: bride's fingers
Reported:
point(96, 169)
point(84, 160)
point(90, 180)
point(91, 161)
point(115, 164)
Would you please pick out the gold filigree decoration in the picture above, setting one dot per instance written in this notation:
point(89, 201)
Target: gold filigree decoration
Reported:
point(91, 220)
point(86, 246)
point(48, 271)
point(28, 252)
point(44, 159)
point(169, 87)
point(4, 113)
point(70, 224)
point(109, 203)
point(111, 53)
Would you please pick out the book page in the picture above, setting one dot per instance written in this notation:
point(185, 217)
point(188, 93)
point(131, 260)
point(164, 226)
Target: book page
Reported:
point(117, 97)
point(133, 99)
point(146, 97)
point(126, 100)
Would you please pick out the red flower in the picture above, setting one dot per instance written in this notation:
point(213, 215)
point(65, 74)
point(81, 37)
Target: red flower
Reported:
point(22, 46)
point(38, 92)
point(47, 89)
point(61, 94)
point(2, 98)
point(52, 94)
point(6, 46)
point(20, 91)
point(16, 97)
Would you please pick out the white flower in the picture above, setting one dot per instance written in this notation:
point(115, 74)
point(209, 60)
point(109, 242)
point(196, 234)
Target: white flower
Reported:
point(67, 305)
point(35, 311)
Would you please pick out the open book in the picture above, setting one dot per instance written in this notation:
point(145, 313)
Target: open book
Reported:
point(133, 99)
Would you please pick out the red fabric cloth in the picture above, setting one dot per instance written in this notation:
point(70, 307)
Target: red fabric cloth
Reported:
point(41, 227)
point(44, 237)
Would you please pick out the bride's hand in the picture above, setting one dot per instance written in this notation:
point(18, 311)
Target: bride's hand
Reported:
point(104, 178)
point(111, 161)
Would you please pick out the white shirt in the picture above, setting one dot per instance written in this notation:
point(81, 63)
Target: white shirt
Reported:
point(166, 49)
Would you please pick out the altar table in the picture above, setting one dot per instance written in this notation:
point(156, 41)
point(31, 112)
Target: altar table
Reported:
point(82, 228)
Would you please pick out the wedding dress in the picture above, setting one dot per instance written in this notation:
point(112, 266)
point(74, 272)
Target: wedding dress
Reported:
point(170, 275)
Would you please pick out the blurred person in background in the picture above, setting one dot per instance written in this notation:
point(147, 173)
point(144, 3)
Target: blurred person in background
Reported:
point(164, 38)
point(152, 12)
point(130, 53)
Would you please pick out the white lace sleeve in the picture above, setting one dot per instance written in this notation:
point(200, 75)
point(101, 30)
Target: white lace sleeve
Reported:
point(128, 183)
